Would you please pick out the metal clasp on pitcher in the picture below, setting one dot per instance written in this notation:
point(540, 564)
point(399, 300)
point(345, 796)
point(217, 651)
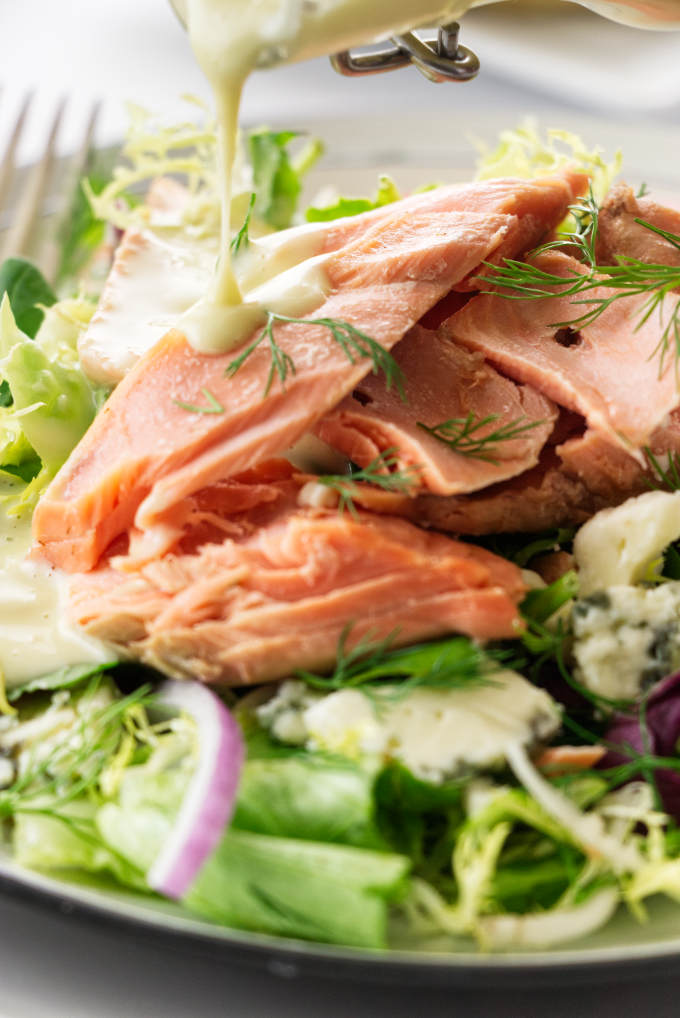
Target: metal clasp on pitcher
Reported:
point(439, 57)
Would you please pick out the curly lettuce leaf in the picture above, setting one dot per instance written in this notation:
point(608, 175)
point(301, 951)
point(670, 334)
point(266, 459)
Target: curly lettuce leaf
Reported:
point(523, 152)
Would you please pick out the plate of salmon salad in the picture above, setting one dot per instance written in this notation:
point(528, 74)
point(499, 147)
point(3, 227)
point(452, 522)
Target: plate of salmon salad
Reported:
point(357, 640)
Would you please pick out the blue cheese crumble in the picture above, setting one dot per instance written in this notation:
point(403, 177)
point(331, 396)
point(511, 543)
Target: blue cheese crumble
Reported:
point(626, 638)
point(437, 734)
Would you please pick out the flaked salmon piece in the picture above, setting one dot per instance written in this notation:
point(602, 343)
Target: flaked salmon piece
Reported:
point(620, 235)
point(606, 470)
point(609, 371)
point(278, 594)
point(145, 453)
point(558, 760)
point(443, 382)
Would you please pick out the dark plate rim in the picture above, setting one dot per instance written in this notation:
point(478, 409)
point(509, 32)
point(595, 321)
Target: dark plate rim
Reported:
point(290, 958)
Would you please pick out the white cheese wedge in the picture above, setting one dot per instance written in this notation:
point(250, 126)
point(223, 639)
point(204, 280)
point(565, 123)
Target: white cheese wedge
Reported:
point(435, 733)
point(618, 546)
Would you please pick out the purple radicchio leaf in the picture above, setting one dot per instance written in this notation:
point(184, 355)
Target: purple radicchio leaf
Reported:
point(658, 735)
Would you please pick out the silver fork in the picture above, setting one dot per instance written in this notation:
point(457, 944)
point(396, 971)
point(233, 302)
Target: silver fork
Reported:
point(32, 223)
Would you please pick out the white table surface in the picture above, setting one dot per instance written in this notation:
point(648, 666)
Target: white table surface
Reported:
point(51, 966)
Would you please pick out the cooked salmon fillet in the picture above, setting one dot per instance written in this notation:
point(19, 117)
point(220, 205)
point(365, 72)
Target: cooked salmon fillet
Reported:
point(574, 478)
point(250, 594)
point(443, 382)
point(144, 453)
point(608, 371)
point(619, 233)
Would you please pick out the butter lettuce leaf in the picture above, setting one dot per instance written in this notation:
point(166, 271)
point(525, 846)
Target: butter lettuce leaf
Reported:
point(52, 402)
point(277, 175)
point(386, 193)
point(308, 796)
point(333, 893)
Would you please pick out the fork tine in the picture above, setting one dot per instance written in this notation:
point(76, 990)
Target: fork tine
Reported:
point(19, 233)
point(9, 155)
point(48, 256)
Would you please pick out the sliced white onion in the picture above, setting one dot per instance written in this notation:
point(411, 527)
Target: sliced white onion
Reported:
point(209, 800)
point(588, 829)
point(545, 929)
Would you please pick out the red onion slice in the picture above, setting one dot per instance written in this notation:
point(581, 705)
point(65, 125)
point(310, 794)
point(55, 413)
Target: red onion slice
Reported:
point(209, 800)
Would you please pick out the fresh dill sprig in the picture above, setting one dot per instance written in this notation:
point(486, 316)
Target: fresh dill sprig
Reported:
point(466, 435)
point(456, 663)
point(382, 472)
point(582, 239)
point(668, 477)
point(74, 766)
point(518, 280)
point(214, 406)
point(241, 240)
point(353, 342)
point(281, 364)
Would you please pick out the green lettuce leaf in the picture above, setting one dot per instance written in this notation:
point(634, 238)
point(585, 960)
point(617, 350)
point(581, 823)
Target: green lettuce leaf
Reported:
point(82, 231)
point(70, 842)
point(277, 176)
point(276, 878)
point(53, 403)
point(308, 796)
point(28, 291)
point(299, 888)
point(64, 678)
point(386, 193)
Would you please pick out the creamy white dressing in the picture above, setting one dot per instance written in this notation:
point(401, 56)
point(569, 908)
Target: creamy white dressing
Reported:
point(152, 282)
point(35, 638)
point(216, 328)
point(156, 278)
point(230, 39)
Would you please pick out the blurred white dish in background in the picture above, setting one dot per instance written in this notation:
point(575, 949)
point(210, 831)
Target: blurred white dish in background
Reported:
point(132, 51)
